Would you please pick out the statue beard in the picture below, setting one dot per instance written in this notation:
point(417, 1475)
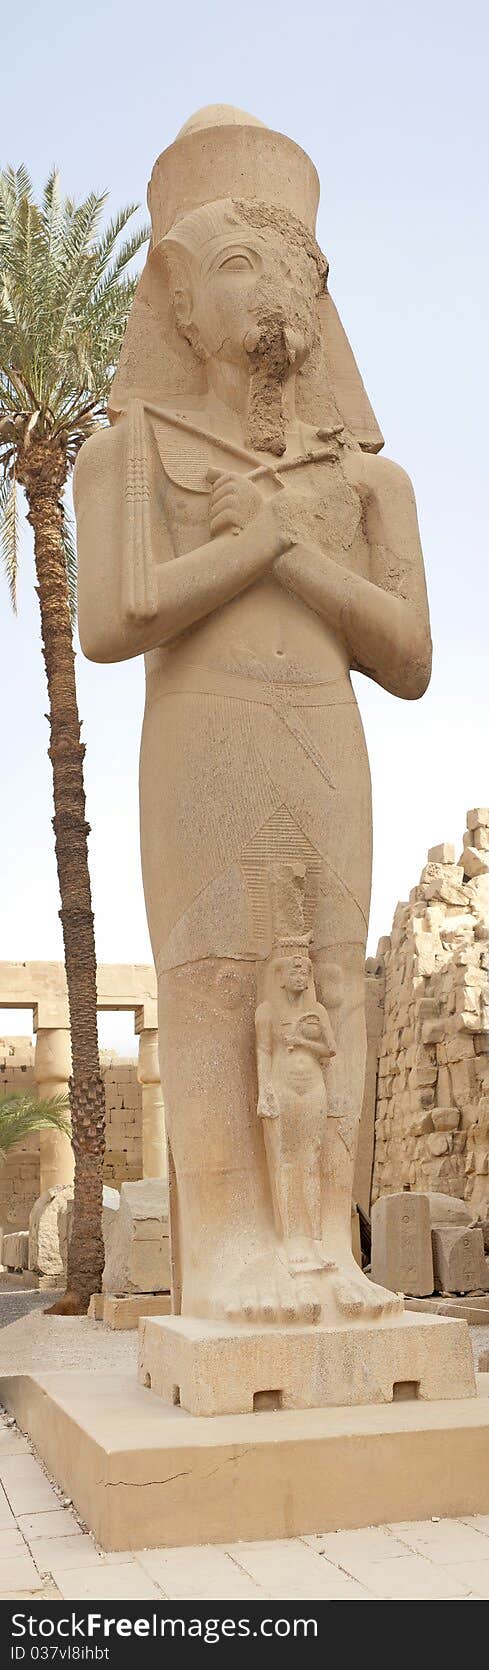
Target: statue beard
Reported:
point(279, 339)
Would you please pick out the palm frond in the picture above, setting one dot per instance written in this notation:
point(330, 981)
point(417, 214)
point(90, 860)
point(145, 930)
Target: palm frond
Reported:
point(9, 532)
point(67, 282)
point(20, 1115)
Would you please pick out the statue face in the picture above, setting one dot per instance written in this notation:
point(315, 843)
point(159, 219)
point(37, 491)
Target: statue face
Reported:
point(296, 973)
point(247, 293)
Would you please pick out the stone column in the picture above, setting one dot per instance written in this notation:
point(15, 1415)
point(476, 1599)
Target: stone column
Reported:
point(52, 1070)
point(155, 1162)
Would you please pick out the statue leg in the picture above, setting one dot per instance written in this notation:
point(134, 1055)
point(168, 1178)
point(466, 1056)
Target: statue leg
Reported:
point(354, 1293)
point(302, 1124)
point(229, 1251)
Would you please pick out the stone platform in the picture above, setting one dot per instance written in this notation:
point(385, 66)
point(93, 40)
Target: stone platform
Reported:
point(143, 1474)
point(219, 1368)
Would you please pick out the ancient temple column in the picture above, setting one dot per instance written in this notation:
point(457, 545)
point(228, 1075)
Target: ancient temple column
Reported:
point(52, 1069)
point(155, 1163)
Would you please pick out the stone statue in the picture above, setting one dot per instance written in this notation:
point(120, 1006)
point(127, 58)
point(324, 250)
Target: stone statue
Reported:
point(237, 526)
point(294, 1042)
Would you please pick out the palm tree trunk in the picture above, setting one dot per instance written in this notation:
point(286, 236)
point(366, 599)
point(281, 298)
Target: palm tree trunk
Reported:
point(43, 475)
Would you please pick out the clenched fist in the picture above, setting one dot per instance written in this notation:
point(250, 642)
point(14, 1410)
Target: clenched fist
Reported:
point(234, 502)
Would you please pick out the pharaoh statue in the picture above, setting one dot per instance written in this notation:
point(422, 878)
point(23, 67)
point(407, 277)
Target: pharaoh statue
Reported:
point(237, 526)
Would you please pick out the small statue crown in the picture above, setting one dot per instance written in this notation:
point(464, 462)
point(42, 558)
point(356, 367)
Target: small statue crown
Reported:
point(287, 896)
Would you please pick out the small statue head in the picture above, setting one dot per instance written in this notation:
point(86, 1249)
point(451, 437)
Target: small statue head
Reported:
point(295, 972)
point(245, 282)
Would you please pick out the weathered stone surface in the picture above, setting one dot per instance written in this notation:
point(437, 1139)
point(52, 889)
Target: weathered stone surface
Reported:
point(401, 1243)
point(45, 1231)
point(476, 863)
point(432, 1121)
point(447, 1211)
point(137, 1249)
point(459, 1262)
point(443, 854)
point(213, 1368)
point(111, 1200)
point(126, 1312)
point(16, 1250)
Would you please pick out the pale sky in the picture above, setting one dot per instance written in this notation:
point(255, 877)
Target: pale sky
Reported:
point(390, 100)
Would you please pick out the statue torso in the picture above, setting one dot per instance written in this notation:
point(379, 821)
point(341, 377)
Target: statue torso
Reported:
point(266, 632)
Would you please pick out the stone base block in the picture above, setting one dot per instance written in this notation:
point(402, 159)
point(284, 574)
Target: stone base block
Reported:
point(143, 1474)
point(126, 1312)
point(218, 1368)
point(96, 1307)
point(472, 1307)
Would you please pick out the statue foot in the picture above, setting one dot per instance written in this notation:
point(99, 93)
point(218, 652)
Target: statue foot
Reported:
point(357, 1297)
point(264, 1292)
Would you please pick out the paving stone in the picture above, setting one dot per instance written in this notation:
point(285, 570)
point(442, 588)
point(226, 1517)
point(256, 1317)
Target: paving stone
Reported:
point(25, 1485)
point(470, 1574)
point(65, 1551)
point(195, 1573)
point(478, 1521)
point(57, 1522)
point(7, 1518)
point(444, 1541)
point(13, 1443)
point(410, 1578)
point(18, 1571)
point(104, 1582)
point(10, 1542)
point(291, 1570)
point(372, 1543)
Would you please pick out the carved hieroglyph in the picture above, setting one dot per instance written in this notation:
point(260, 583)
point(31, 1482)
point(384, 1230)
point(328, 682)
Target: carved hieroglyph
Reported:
point(236, 526)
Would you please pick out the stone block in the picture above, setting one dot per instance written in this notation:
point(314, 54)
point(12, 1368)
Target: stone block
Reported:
point(443, 854)
point(111, 1199)
point(477, 817)
point(219, 1368)
point(458, 1259)
point(401, 1243)
point(446, 1211)
point(476, 863)
point(16, 1250)
point(45, 1257)
point(126, 1313)
point(137, 1252)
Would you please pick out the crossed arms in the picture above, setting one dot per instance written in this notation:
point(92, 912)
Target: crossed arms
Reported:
point(385, 632)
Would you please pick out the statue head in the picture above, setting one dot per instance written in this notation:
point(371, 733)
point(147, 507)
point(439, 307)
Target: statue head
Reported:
point(245, 282)
point(230, 183)
point(295, 972)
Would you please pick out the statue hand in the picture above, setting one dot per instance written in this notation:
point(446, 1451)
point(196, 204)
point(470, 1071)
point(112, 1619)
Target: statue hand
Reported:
point(267, 1105)
point(234, 502)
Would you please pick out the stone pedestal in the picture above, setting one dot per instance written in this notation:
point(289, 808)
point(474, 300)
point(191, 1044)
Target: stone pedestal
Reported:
point(52, 1072)
point(219, 1368)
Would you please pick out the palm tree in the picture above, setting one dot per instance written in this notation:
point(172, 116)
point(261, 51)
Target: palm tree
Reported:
point(65, 294)
point(20, 1115)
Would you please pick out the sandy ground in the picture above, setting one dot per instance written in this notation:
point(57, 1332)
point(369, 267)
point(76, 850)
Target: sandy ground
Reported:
point(37, 1343)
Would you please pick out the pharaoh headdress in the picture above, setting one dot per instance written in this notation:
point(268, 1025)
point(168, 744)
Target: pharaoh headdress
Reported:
point(222, 153)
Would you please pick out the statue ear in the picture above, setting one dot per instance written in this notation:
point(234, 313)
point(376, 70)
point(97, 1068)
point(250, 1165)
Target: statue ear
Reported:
point(180, 283)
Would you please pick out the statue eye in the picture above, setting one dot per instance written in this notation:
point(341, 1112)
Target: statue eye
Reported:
point(236, 264)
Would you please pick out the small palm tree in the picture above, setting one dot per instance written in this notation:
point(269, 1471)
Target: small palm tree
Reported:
point(65, 294)
point(20, 1115)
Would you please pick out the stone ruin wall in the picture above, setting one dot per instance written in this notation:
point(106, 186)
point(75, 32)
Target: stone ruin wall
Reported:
point(432, 1106)
point(19, 1176)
